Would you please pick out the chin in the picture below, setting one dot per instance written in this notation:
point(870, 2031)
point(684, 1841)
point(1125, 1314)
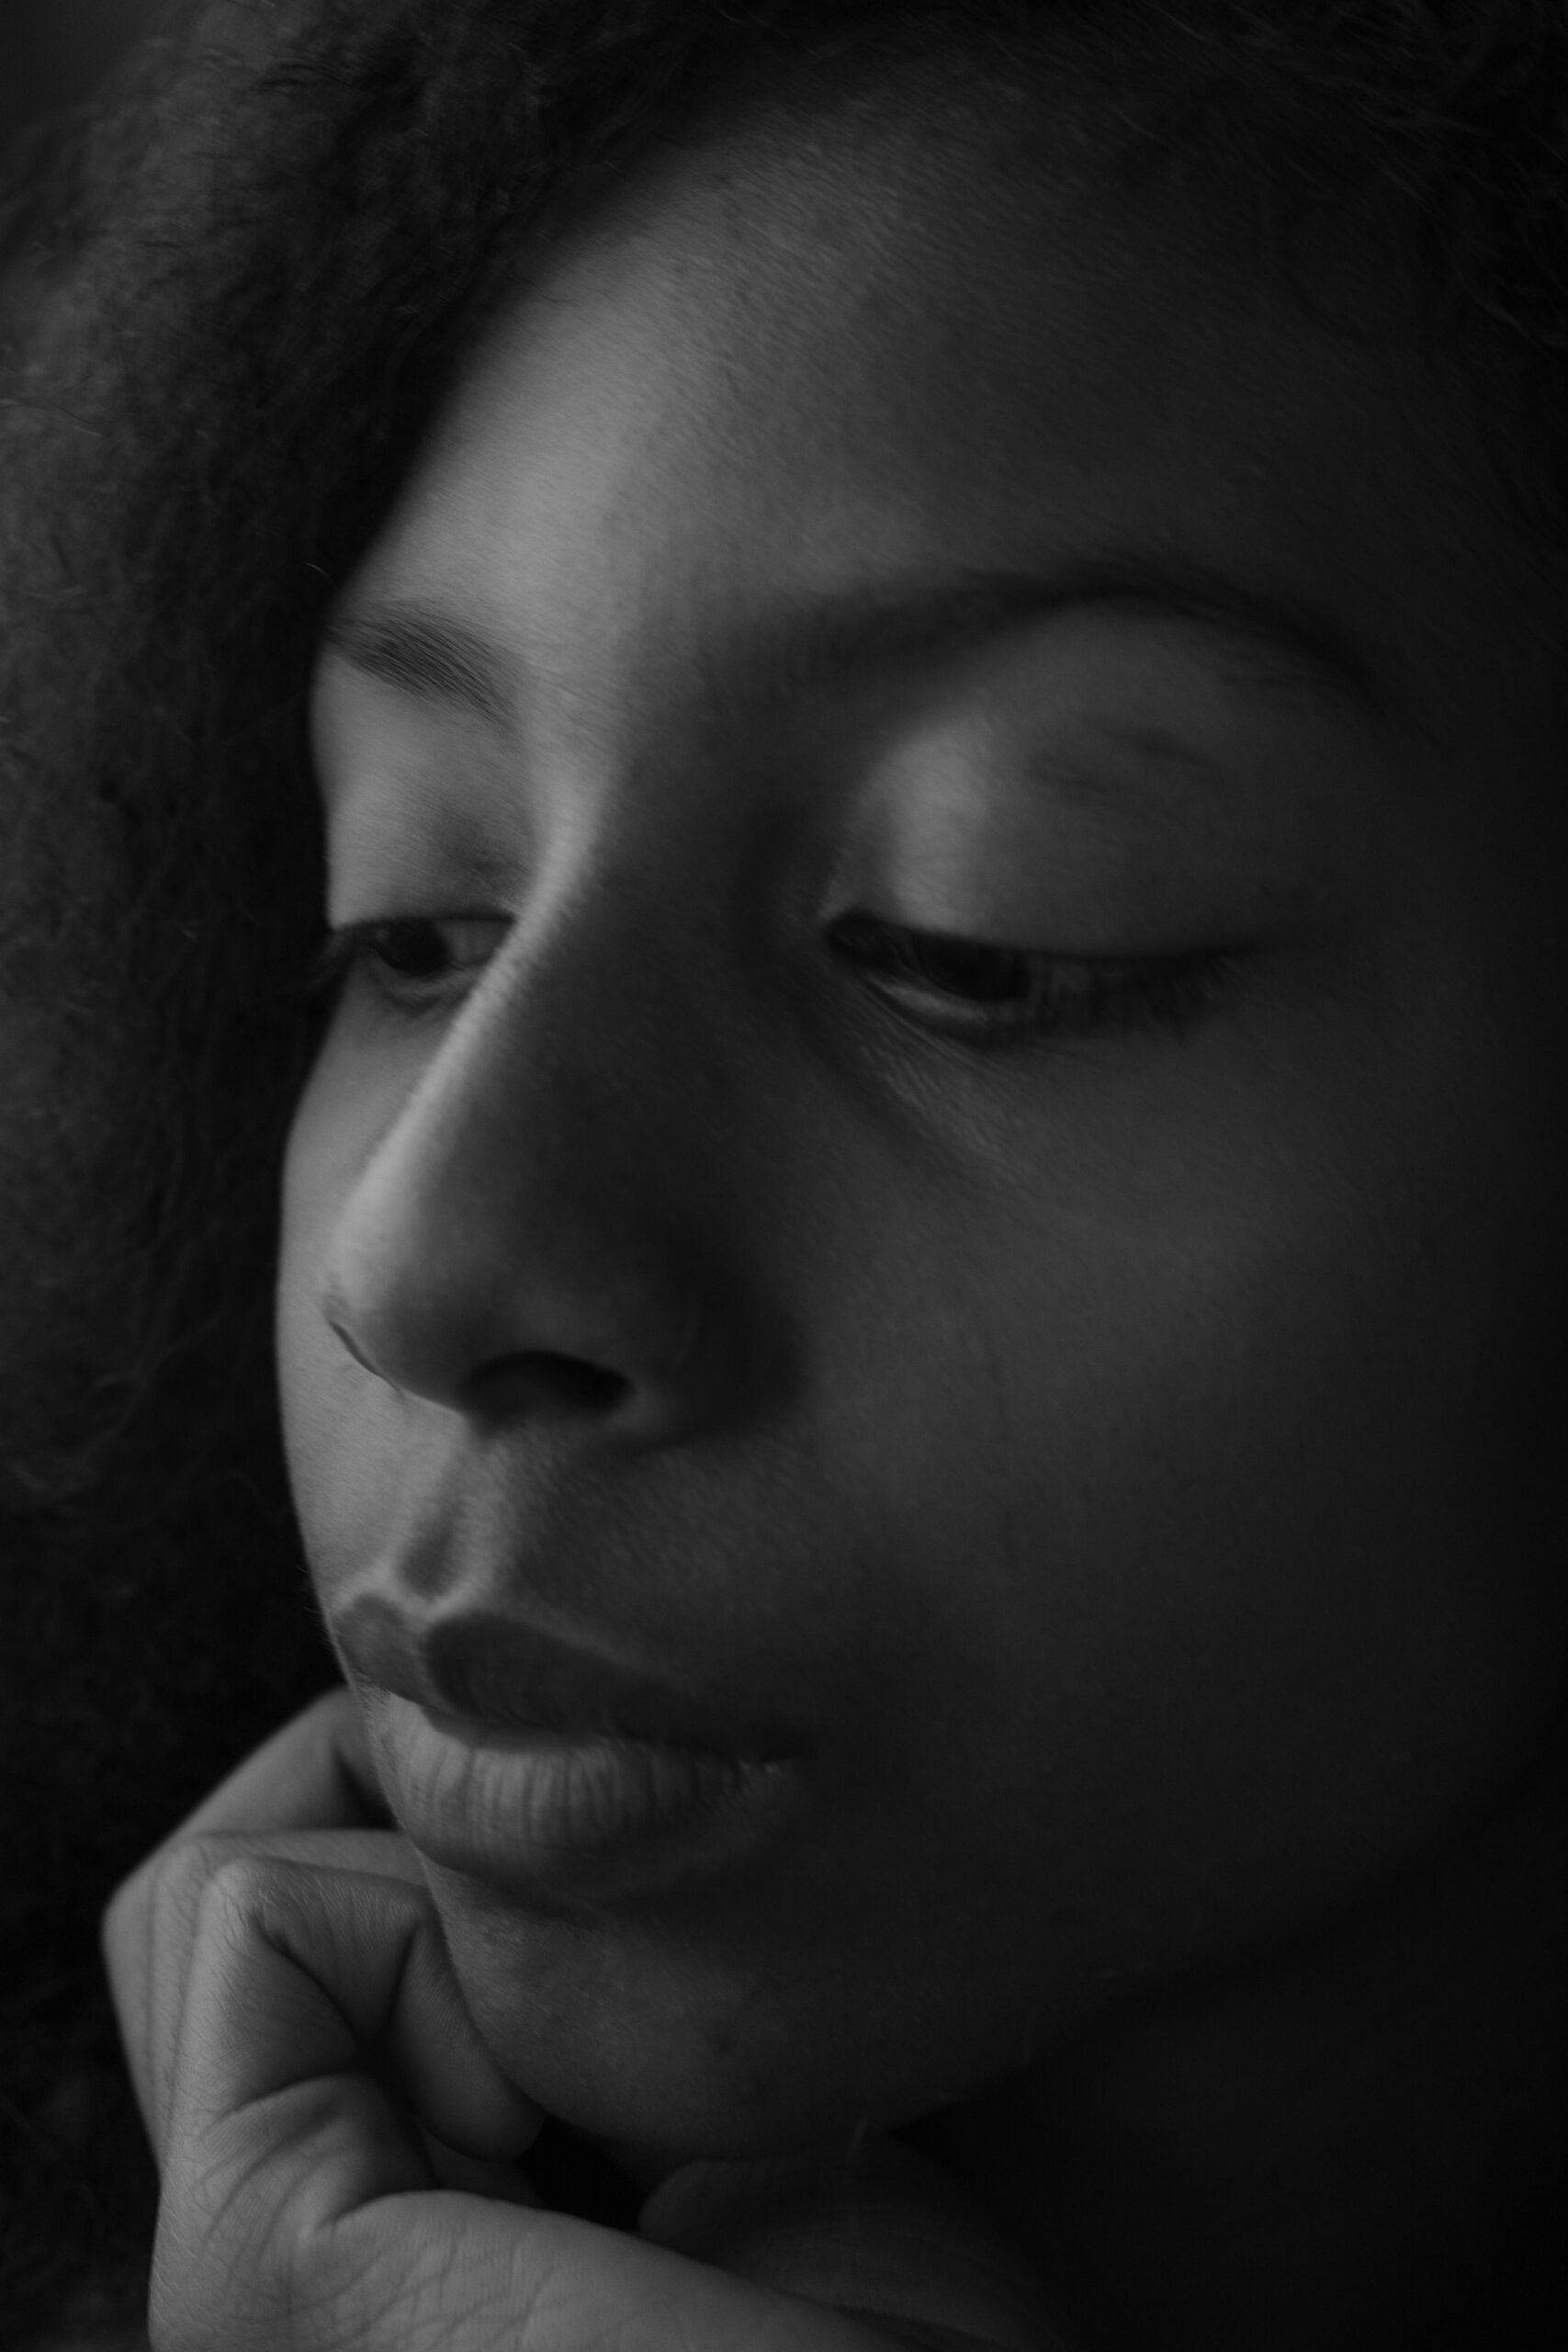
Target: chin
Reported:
point(633, 2033)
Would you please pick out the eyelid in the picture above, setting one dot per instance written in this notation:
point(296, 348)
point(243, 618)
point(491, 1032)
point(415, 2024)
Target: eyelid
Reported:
point(348, 947)
point(1066, 996)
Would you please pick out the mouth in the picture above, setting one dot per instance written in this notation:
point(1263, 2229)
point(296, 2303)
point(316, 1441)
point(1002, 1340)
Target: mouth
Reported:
point(548, 1771)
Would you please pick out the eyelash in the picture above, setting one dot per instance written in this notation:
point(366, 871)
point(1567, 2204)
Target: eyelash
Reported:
point(363, 946)
point(981, 993)
point(1011, 993)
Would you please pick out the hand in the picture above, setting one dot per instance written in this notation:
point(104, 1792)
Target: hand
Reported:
point(339, 2151)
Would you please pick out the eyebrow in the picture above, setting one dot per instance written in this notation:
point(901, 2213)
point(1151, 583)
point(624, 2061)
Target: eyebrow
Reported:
point(1294, 643)
point(431, 654)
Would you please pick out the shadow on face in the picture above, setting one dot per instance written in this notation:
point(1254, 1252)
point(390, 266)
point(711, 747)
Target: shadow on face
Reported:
point(922, 1261)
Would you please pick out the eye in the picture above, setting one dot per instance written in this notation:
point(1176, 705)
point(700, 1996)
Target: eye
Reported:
point(972, 988)
point(416, 963)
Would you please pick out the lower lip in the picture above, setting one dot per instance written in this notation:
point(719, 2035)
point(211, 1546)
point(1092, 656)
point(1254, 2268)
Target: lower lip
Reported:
point(540, 1810)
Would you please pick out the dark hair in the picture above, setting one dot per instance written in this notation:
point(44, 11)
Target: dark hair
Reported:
point(238, 302)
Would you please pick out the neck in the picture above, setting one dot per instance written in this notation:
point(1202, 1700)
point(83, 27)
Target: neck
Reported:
point(1349, 2143)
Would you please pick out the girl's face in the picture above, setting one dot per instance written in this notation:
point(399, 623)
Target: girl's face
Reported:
point(929, 1233)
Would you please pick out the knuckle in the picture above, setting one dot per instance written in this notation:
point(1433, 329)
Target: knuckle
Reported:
point(203, 1856)
point(190, 1866)
point(160, 1896)
point(238, 1875)
point(199, 1878)
point(239, 1886)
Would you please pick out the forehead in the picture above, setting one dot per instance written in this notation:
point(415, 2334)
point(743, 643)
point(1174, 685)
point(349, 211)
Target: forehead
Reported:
point(815, 353)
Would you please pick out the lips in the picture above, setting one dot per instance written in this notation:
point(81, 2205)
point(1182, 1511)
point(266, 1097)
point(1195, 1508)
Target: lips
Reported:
point(483, 1668)
point(544, 1769)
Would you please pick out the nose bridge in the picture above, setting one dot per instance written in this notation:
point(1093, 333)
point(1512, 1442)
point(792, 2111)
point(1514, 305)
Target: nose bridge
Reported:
point(536, 1199)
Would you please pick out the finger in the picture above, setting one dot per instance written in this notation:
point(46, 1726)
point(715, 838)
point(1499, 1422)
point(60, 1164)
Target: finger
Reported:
point(884, 2232)
point(312, 1775)
point(298, 1976)
point(150, 1929)
point(483, 2275)
point(437, 2272)
point(298, 2207)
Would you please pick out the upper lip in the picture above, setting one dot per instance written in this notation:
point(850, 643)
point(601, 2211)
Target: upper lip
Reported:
point(487, 1667)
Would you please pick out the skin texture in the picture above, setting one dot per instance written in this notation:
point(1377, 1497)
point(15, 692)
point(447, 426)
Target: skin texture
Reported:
point(1111, 1462)
point(338, 2151)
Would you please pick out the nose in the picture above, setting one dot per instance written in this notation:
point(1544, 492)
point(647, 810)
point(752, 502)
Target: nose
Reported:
point(533, 1233)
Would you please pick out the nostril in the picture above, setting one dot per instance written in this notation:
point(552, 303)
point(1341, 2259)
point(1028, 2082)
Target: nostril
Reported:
point(549, 1382)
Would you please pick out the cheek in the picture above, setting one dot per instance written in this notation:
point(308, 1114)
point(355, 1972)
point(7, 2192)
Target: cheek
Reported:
point(299, 1328)
point(1197, 1564)
point(334, 1452)
point(1140, 1491)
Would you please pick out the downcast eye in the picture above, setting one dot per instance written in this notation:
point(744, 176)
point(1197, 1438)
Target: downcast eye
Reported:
point(415, 962)
point(939, 960)
point(974, 990)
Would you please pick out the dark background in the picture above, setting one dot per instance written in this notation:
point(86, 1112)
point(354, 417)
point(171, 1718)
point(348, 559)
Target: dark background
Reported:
point(116, 1713)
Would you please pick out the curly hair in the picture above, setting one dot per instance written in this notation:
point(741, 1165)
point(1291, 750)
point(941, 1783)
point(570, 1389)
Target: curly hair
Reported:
point(233, 307)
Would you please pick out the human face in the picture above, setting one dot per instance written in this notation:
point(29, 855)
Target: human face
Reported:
point(994, 1479)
